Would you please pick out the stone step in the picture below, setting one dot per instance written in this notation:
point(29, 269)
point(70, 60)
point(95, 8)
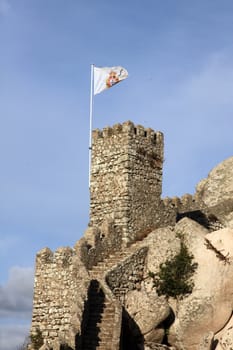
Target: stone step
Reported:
point(106, 338)
point(100, 323)
point(105, 266)
point(105, 344)
point(114, 258)
point(107, 318)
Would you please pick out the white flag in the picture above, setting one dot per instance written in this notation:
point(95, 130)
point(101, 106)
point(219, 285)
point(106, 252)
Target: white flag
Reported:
point(106, 77)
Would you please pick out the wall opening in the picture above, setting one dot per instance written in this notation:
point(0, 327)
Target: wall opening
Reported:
point(155, 138)
point(196, 215)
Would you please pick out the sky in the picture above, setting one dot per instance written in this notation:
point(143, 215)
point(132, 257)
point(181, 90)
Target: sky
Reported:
point(179, 56)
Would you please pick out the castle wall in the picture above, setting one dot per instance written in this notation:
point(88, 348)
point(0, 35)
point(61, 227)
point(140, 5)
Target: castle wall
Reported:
point(61, 282)
point(99, 243)
point(128, 274)
point(174, 209)
point(126, 178)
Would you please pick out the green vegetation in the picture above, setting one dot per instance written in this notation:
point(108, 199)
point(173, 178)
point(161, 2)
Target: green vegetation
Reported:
point(24, 345)
point(37, 339)
point(174, 277)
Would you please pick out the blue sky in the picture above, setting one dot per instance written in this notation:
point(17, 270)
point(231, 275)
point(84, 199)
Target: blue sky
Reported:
point(179, 55)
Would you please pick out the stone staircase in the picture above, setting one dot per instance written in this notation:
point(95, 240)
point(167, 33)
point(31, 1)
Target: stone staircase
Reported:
point(100, 325)
point(98, 332)
point(99, 270)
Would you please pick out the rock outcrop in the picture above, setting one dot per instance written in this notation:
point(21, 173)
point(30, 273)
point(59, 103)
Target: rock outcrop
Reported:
point(209, 306)
point(217, 192)
point(202, 320)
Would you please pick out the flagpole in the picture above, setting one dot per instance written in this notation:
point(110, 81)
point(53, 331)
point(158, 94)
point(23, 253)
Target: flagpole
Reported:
point(91, 119)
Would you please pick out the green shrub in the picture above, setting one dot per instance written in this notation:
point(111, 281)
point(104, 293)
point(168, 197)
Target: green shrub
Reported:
point(24, 345)
point(37, 339)
point(174, 277)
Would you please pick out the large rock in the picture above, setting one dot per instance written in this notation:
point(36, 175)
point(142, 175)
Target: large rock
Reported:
point(148, 311)
point(222, 242)
point(217, 192)
point(209, 307)
point(207, 341)
point(163, 244)
point(224, 338)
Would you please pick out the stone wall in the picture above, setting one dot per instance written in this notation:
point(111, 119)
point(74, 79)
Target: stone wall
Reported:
point(172, 210)
point(127, 275)
point(60, 288)
point(126, 178)
point(99, 243)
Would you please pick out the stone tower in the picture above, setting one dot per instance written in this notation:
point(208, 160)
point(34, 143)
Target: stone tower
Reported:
point(126, 178)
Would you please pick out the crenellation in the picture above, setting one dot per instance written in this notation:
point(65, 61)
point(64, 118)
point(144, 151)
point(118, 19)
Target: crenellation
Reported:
point(175, 201)
point(187, 198)
point(45, 256)
point(140, 131)
point(128, 127)
point(117, 128)
point(107, 132)
point(63, 256)
point(96, 133)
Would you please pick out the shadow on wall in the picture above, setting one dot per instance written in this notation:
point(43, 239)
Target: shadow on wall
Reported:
point(131, 336)
point(65, 347)
point(215, 343)
point(92, 314)
point(201, 218)
point(196, 215)
point(209, 221)
point(166, 324)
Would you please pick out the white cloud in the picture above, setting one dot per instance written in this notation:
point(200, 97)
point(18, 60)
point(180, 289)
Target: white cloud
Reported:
point(4, 7)
point(15, 308)
point(16, 294)
point(13, 336)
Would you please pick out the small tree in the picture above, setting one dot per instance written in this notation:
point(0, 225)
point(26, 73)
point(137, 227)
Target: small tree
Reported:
point(174, 277)
point(37, 339)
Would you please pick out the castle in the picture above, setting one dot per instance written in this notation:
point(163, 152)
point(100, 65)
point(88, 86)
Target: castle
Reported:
point(79, 292)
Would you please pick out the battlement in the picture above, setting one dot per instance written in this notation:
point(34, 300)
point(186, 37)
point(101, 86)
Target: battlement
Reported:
point(62, 256)
point(182, 204)
point(130, 129)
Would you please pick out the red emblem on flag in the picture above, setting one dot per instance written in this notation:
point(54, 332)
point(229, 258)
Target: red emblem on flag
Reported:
point(112, 79)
